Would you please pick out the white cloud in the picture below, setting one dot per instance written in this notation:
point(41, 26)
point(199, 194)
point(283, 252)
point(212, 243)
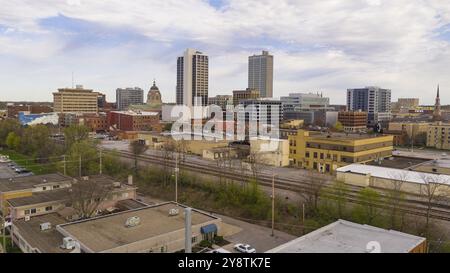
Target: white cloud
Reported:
point(318, 45)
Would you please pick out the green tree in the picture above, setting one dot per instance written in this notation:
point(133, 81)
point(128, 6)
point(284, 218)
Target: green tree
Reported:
point(13, 141)
point(7, 126)
point(367, 211)
point(83, 159)
point(75, 134)
point(36, 142)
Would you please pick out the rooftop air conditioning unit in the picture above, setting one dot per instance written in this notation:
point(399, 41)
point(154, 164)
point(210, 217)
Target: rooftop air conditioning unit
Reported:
point(116, 184)
point(173, 212)
point(132, 221)
point(85, 178)
point(27, 218)
point(68, 243)
point(45, 226)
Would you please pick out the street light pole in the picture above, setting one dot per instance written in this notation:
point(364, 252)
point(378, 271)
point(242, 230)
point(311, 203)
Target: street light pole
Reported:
point(176, 178)
point(273, 203)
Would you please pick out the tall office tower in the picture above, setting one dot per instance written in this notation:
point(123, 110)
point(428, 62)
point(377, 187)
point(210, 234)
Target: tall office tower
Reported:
point(260, 74)
point(192, 78)
point(128, 96)
point(373, 100)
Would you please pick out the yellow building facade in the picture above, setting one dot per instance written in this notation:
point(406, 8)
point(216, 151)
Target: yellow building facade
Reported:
point(438, 136)
point(325, 152)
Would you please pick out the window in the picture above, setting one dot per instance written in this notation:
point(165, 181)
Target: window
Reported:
point(49, 208)
point(315, 165)
point(321, 155)
point(194, 239)
point(44, 188)
point(32, 211)
point(56, 187)
point(307, 154)
point(315, 154)
point(27, 212)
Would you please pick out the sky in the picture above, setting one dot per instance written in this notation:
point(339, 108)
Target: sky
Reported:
point(318, 46)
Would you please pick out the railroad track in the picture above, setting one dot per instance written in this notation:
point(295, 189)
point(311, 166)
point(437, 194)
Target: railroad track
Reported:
point(409, 206)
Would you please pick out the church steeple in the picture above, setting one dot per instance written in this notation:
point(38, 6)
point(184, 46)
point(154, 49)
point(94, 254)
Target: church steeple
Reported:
point(437, 107)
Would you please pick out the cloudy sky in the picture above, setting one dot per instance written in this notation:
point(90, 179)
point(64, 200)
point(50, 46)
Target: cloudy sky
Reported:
point(326, 46)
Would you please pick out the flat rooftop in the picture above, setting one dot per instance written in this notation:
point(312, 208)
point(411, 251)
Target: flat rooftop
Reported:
point(347, 237)
point(399, 162)
point(396, 174)
point(342, 136)
point(438, 163)
point(28, 182)
point(63, 194)
point(108, 232)
point(47, 241)
point(40, 197)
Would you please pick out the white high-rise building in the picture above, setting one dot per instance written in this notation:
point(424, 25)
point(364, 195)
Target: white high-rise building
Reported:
point(260, 74)
point(192, 78)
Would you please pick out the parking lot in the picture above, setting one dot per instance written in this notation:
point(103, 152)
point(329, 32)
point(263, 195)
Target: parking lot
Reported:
point(6, 171)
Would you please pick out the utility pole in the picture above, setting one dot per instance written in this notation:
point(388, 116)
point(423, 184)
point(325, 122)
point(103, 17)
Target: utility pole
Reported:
point(79, 166)
point(4, 233)
point(176, 178)
point(273, 203)
point(64, 161)
point(412, 137)
point(101, 162)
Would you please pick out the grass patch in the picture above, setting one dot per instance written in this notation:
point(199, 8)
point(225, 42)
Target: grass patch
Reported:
point(9, 248)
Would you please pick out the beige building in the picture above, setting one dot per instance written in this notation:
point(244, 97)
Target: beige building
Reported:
point(274, 152)
point(409, 128)
point(325, 152)
point(249, 93)
point(157, 228)
point(438, 136)
point(75, 100)
point(385, 178)
point(260, 73)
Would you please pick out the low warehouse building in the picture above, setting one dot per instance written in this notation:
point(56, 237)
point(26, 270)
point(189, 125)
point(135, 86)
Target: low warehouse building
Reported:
point(348, 237)
point(385, 178)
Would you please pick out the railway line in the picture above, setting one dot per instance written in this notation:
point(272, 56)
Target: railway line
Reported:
point(411, 204)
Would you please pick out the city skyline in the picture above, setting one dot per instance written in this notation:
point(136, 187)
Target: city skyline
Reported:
point(343, 46)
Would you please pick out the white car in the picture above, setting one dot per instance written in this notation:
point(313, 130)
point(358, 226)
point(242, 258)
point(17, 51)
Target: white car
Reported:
point(219, 250)
point(244, 248)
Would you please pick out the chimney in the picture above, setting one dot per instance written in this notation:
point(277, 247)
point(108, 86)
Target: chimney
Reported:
point(187, 231)
point(130, 180)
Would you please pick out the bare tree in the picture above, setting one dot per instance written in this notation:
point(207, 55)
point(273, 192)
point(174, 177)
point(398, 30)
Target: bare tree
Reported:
point(314, 185)
point(167, 153)
point(137, 148)
point(430, 192)
point(256, 162)
point(87, 195)
point(395, 197)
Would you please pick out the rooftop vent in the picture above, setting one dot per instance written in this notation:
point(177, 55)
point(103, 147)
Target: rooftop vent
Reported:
point(132, 221)
point(173, 212)
point(45, 226)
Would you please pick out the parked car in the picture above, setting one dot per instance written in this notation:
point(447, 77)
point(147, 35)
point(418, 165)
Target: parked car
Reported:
point(244, 248)
point(219, 250)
